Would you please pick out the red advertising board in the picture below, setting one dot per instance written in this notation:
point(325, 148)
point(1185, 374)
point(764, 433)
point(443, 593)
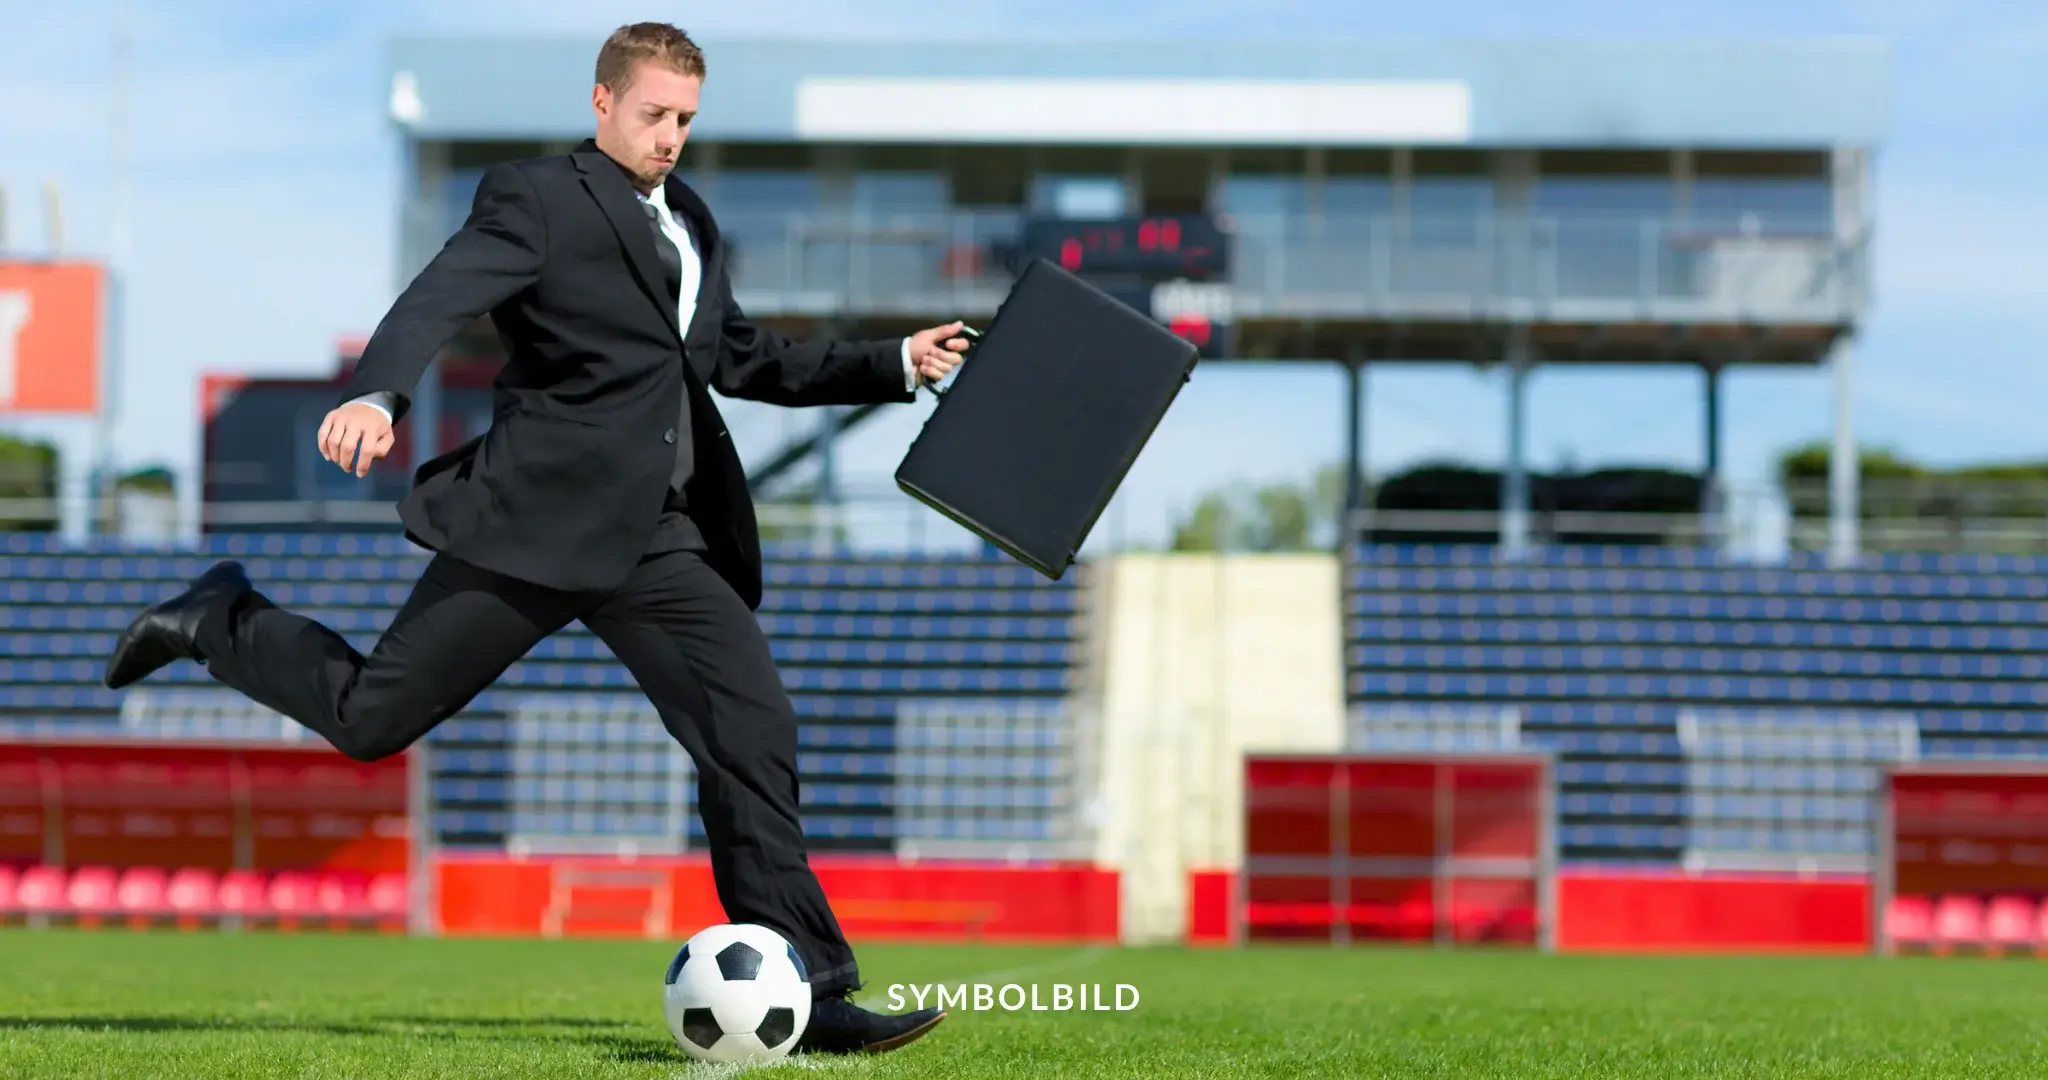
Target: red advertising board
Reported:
point(52, 318)
point(873, 898)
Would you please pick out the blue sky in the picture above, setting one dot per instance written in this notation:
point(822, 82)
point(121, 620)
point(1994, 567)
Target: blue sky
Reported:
point(263, 204)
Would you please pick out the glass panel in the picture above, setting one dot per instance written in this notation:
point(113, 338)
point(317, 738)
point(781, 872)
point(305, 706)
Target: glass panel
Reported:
point(1080, 197)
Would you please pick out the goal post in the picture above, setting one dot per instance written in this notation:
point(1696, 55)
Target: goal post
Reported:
point(1444, 847)
point(1962, 857)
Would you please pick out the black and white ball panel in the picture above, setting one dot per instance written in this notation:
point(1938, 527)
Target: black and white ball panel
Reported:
point(737, 993)
point(739, 962)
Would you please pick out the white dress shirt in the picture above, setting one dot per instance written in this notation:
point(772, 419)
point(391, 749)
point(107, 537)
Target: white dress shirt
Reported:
point(678, 230)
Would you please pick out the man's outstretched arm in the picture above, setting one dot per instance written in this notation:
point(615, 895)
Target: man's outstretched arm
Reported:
point(497, 252)
point(758, 364)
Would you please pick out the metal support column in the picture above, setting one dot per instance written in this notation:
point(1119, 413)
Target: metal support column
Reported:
point(423, 176)
point(1514, 493)
point(426, 416)
point(1354, 450)
point(1713, 507)
point(1844, 494)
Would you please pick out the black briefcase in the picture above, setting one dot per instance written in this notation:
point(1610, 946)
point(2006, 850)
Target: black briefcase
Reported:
point(1046, 413)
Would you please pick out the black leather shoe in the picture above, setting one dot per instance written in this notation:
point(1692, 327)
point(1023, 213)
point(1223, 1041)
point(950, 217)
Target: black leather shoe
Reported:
point(166, 632)
point(838, 1026)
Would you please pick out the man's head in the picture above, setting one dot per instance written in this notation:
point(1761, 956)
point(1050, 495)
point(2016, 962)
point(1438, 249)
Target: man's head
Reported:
point(648, 78)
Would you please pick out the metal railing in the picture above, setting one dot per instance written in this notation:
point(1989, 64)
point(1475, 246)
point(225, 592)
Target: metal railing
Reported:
point(1365, 266)
point(1930, 516)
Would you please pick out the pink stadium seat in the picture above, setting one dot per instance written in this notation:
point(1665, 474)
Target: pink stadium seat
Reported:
point(1958, 922)
point(92, 890)
point(191, 892)
point(242, 893)
point(389, 896)
point(294, 895)
point(1909, 921)
point(141, 891)
point(2009, 923)
point(341, 896)
point(41, 890)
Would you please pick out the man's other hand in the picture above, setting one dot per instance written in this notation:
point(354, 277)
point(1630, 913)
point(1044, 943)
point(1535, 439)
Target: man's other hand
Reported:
point(936, 352)
point(355, 436)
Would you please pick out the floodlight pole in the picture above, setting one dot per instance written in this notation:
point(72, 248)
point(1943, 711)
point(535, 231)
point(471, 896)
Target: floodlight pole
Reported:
point(106, 414)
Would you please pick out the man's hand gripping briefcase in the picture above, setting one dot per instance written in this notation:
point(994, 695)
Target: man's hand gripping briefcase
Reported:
point(1043, 420)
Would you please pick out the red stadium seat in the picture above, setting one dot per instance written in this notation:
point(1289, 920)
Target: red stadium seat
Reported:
point(41, 890)
point(9, 877)
point(390, 895)
point(91, 893)
point(1958, 922)
point(243, 894)
point(2009, 923)
point(190, 894)
point(141, 893)
point(1909, 921)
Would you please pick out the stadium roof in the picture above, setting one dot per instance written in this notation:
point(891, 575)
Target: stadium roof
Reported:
point(1808, 93)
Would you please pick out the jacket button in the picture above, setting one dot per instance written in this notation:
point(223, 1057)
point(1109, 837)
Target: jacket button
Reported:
point(669, 436)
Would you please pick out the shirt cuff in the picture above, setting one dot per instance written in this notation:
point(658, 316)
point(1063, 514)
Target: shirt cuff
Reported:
point(380, 401)
point(909, 369)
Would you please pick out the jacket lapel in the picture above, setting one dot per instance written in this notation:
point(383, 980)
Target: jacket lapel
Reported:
point(607, 184)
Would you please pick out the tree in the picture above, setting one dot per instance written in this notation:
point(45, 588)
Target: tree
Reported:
point(1895, 487)
point(28, 475)
point(153, 480)
point(1271, 517)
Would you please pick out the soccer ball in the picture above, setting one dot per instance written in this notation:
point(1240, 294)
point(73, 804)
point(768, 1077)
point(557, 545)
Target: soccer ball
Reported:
point(737, 992)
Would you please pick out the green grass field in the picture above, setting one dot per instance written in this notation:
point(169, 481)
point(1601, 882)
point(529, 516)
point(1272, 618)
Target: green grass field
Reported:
point(120, 1004)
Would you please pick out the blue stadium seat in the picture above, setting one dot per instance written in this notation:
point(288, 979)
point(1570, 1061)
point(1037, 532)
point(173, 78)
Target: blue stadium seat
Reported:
point(854, 634)
point(1602, 650)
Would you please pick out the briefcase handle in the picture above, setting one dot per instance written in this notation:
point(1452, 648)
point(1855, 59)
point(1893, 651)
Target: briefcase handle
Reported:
point(973, 337)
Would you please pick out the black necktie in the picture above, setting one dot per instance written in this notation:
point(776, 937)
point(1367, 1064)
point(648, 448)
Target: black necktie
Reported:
point(672, 263)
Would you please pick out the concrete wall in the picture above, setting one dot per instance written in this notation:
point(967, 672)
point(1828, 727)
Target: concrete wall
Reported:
point(1195, 660)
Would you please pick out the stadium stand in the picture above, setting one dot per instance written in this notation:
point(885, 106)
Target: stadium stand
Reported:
point(855, 637)
point(1604, 650)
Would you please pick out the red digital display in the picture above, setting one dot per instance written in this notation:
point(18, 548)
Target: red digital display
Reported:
point(1189, 246)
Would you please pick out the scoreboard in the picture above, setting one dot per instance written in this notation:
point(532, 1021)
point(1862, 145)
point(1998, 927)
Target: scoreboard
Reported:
point(1172, 267)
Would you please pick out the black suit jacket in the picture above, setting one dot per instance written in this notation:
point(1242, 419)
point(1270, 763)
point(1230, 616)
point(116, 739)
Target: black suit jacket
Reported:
point(565, 488)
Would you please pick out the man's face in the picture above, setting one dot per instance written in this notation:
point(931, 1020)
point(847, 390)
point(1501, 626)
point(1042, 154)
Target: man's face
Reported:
point(644, 127)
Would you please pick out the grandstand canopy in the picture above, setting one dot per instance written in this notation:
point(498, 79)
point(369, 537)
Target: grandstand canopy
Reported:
point(1551, 94)
point(1511, 202)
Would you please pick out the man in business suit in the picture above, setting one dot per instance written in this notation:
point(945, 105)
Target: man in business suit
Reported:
point(607, 490)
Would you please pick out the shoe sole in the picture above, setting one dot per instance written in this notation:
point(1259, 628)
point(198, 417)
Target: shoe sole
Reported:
point(905, 1039)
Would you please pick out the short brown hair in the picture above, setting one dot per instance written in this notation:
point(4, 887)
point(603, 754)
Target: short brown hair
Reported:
point(629, 46)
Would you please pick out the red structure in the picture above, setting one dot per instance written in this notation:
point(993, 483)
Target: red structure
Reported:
point(1962, 858)
point(141, 831)
point(1415, 847)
